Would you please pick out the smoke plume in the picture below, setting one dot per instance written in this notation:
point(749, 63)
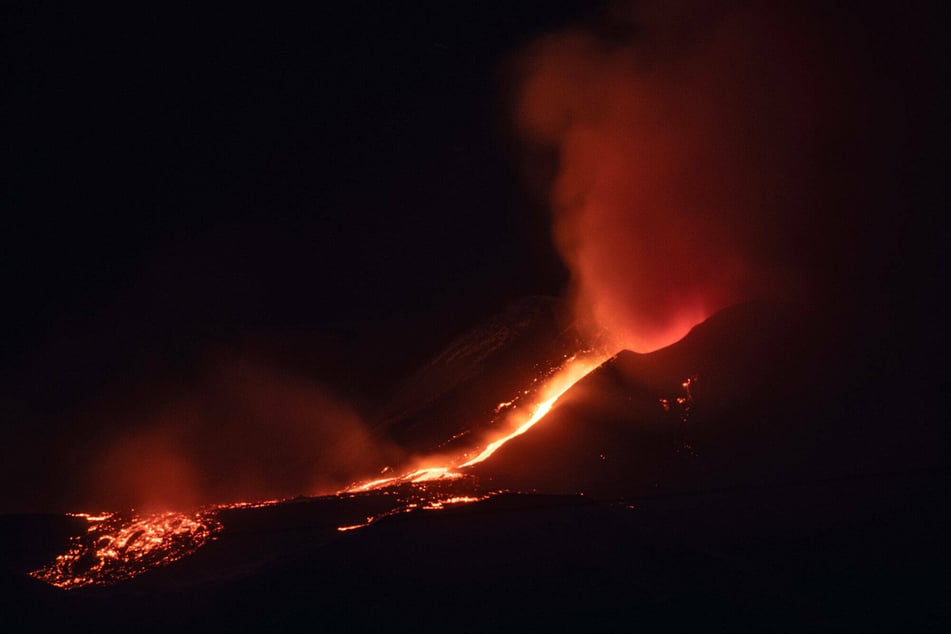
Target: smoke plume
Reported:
point(243, 431)
point(706, 154)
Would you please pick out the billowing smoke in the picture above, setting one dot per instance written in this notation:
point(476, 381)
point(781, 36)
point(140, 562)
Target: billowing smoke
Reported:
point(706, 153)
point(243, 431)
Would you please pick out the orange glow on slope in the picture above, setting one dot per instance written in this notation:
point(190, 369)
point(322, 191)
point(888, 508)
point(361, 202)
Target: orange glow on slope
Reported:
point(425, 501)
point(560, 381)
point(115, 548)
point(426, 474)
point(573, 371)
point(118, 546)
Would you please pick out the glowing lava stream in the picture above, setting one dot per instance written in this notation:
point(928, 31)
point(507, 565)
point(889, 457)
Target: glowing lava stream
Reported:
point(570, 373)
point(117, 547)
point(563, 379)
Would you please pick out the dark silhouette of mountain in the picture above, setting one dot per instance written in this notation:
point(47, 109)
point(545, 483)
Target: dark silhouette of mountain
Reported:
point(454, 397)
point(792, 483)
point(861, 554)
point(768, 394)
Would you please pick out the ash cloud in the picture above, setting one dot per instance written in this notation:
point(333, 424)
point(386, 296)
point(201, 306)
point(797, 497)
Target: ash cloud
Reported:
point(712, 153)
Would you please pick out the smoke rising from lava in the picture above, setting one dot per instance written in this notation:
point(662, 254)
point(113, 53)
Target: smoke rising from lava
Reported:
point(705, 155)
point(244, 431)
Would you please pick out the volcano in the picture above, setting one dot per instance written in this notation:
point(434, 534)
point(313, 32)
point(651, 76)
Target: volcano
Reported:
point(758, 473)
point(240, 245)
point(460, 390)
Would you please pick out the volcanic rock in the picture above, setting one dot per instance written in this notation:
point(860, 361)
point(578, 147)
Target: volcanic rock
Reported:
point(455, 396)
point(759, 394)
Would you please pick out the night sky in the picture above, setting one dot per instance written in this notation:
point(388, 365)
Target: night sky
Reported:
point(182, 176)
point(330, 188)
point(335, 191)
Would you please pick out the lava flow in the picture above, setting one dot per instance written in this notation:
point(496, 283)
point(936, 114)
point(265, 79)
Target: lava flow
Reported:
point(562, 379)
point(117, 547)
point(423, 483)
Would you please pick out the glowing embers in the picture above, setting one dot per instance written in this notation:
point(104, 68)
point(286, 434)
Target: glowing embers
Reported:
point(682, 404)
point(116, 547)
point(428, 496)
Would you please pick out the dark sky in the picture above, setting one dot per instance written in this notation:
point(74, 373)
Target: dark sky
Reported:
point(185, 174)
point(334, 190)
point(329, 189)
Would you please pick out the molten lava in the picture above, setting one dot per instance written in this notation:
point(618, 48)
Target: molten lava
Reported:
point(564, 379)
point(559, 381)
point(117, 547)
point(421, 498)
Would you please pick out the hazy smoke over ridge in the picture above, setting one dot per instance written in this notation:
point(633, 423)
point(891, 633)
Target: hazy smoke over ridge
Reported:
point(244, 431)
point(705, 156)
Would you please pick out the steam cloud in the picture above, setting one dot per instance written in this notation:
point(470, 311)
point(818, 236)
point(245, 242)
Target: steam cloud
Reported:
point(705, 156)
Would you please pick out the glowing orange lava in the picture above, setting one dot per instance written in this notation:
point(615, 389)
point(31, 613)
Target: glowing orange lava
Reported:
point(560, 381)
point(117, 547)
point(564, 379)
point(423, 500)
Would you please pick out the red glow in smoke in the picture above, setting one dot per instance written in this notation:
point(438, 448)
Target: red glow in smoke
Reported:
point(685, 155)
point(242, 431)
